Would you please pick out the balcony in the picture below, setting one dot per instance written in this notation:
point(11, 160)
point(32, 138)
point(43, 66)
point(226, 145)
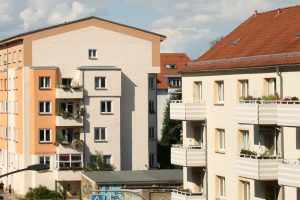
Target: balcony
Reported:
point(289, 173)
point(68, 175)
point(257, 112)
point(180, 195)
point(72, 148)
point(288, 113)
point(69, 166)
point(69, 93)
point(69, 121)
point(190, 156)
point(180, 110)
point(258, 168)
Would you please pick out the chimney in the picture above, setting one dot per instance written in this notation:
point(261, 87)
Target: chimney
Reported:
point(278, 11)
point(255, 13)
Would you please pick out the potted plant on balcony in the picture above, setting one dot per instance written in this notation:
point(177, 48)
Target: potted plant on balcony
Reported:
point(61, 140)
point(76, 143)
point(65, 86)
point(75, 85)
point(247, 153)
point(81, 111)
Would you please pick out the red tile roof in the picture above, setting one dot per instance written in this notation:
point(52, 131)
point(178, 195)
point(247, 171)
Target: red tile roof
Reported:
point(179, 59)
point(267, 38)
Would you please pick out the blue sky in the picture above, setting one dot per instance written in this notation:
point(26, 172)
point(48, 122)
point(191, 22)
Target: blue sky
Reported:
point(188, 24)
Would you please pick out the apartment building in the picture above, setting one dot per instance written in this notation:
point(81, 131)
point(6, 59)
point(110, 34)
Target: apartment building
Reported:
point(168, 82)
point(240, 111)
point(72, 90)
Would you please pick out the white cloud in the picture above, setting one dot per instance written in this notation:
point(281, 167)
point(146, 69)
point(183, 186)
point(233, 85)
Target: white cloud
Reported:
point(182, 6)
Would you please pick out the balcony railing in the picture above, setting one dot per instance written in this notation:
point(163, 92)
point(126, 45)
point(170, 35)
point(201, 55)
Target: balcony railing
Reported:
point(288, 113)
point(188, 156)
point(69, 120)
point(69, 93)
point(289, 173)
point(257, 167)
point(181, 195)
point(257, 112)
point(184, 110)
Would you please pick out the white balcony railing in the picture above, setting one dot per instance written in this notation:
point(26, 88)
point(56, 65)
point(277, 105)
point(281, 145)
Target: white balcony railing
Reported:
point(69, 93)
point(184, 110)
point(69, 121)
point(180, 195)
point(189, 156)
point(288, 113)
point(257, 112)
point(258, 168)
point(289, 173)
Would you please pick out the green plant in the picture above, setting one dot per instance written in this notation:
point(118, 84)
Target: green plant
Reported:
point(76, 143)
point(81, 111)
point(268, 153)
point(98, 164)
point(269, 98)
point(61, 140)
point(75, 85)
point(42, 192)
point(248, 153)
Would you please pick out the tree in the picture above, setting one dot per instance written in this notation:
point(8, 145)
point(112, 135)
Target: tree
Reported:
point(98, 164)
point(42, 192)
point(171, 134)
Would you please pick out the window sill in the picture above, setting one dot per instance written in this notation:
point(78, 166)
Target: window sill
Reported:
point(101, 141)
point(220, 151)
point(106, 113)
point(219, 103)
point(93, 58)
point(45, 113)
point(45, 142)
point(42, 88)
point(101, 89)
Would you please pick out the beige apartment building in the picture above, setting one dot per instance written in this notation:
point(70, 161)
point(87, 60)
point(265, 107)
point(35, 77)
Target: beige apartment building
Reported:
point(240, 110)
point(72, 90)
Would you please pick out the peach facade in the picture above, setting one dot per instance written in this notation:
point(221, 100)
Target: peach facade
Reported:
point(68, 100)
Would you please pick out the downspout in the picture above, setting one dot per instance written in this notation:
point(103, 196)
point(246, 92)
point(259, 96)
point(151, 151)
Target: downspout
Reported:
point(279, 73)
point(84, 118)
point(206, 159)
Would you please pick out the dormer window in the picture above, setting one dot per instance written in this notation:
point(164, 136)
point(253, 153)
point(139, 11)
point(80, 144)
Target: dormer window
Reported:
point(92, 53)
point(170, 66)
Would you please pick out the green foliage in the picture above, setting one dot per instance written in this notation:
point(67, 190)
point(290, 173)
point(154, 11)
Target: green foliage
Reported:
point(269, 98)
point(97, 164)
point(171, 134)
point(248, 153)
point(42, 192)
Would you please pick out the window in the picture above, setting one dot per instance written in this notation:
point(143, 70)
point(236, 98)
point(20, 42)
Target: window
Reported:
point(100, 134)
point(220, 140)
point(100, 82)
point(220, 92)
point(20, 56)
point(222, 188)
point(151, 133)
point(170, 66)
point(44, 82)
point(151, 83)
point(245, 193)
point(245, 139)
point(67, 161)
point(243, 90)
point(106, 107)
point(67, 135)
point(45, 135)
point(151, 107)
point(271, 86)
point(67, 107)
point(9, 58)
point(197, 91)
point(174, 83)
point(107, 159)
point(151, 160)
point(45, 107)
point(44, 160)
point(14, 57)
point(92, 53)
point(66, 82)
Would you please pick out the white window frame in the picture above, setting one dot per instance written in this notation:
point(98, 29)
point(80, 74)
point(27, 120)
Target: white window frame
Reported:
point(245, 139)
point(98, 79)
point(106, 107)
point(44, 160)
point(220, 92)
point(271, 86)
point(44, 107)
point(92, 53)
point(246, 190)
point(45, 134)
point(70, 161)
point(221, 138)
point(222, 187)
point(171, 66)
point(43, 79)
point(100, 134)
point(244, 88)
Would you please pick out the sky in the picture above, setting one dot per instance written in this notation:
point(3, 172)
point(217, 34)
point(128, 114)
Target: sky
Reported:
point(189, 25)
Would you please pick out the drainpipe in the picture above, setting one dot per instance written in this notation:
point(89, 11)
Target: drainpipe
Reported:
point(84, 118)
point(206, 158)
point(279, 73)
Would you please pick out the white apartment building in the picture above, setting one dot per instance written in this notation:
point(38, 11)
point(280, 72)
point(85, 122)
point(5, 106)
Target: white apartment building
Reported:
point(241, 114)
point(72, 90)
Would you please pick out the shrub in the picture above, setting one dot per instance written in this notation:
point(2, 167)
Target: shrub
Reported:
point(42, 192)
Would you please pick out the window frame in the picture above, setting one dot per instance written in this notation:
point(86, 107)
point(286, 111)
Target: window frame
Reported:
point(45, 141)
point(91, 55)
point(109, 158)
point(170, 66)
point(100, 134)
point(106, 107)
point(220, 92)
point(220, 141)
point(44, 82)
point(45, 106)
point(98, 79)
point(222, 187)
point(44, 160)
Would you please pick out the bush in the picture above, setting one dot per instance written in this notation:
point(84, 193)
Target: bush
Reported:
point(42, 192)
point(248, 153)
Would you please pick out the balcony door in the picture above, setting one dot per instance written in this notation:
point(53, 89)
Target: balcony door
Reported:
point(197, 91)
point(198, 175)
point(198, 135)
point(272, 192)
